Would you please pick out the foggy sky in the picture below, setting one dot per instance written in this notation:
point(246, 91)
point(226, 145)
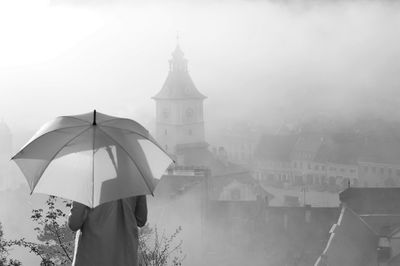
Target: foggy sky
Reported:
point(260, 61)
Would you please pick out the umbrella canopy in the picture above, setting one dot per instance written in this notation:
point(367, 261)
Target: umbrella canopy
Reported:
point(92, 158)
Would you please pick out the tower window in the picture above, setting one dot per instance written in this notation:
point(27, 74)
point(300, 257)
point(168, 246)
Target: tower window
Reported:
point(235, 194)
point(165, 132)
point(165, 113)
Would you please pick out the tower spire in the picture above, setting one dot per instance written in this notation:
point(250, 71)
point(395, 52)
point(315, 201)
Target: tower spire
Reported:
point(178, 61)
point(178, 84)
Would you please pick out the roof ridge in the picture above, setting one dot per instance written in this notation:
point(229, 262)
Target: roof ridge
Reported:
point(362, 220)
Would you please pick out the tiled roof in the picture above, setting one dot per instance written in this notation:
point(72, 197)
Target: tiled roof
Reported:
point(338, 152)
point(333, 148)
point(377, 200)
point(352, 242)
point(217, 183)
point(174, 185)
point(308, 143)
point(381, 151)
point(199, 155)
point(275, 147)
point(382, 224)
point(367, 215)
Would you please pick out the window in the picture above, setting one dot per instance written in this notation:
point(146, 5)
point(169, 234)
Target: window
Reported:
point(271, 177)
point(382, 171)
point(398, 172)
point(373, 169)
point(342, 170)
point(166, 147)
point(366, 169)
point(390, 171)
point(323, 167)
point(165, 132)
point(190, 132)
point(316, 167)
point(309, 179)
point(298, 180)
point(235, 194)
point(309, 166)
point(346, 182)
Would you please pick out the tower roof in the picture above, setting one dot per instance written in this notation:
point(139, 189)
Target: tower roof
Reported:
point(179, 84)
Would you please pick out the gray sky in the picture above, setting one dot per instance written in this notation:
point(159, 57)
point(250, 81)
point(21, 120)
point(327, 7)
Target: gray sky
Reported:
point(256, 60)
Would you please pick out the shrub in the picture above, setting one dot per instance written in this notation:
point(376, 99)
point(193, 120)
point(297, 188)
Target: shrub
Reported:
point(159, 250)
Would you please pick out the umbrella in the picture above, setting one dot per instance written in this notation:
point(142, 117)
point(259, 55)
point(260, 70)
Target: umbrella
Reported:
point(92, 158)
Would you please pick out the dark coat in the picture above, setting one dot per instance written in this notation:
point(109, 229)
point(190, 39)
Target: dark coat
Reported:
point(108, 234)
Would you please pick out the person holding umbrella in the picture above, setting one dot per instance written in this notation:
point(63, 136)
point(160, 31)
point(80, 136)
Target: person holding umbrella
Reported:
point(109, 233)
point(106, 165)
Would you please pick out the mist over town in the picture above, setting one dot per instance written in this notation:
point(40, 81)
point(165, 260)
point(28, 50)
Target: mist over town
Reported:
point(282, 118)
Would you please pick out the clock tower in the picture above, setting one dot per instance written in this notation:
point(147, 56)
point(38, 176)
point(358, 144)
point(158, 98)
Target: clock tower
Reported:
point(179, 109)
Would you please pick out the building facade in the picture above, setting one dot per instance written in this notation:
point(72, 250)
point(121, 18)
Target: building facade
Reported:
point(310, 160)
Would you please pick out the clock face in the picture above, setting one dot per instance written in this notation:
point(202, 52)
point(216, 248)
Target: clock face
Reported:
point(165, 113)
point(189, 113)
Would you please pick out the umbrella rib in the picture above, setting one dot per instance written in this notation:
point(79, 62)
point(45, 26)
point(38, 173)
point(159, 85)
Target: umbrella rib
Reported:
point(67, 116)
point(131, 131)
point(146, 137)
point(62, 147)
point(121, 118)
point(130, 157)
point(39, 137)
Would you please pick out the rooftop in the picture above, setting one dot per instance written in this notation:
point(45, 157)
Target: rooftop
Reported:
point(178, 85)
